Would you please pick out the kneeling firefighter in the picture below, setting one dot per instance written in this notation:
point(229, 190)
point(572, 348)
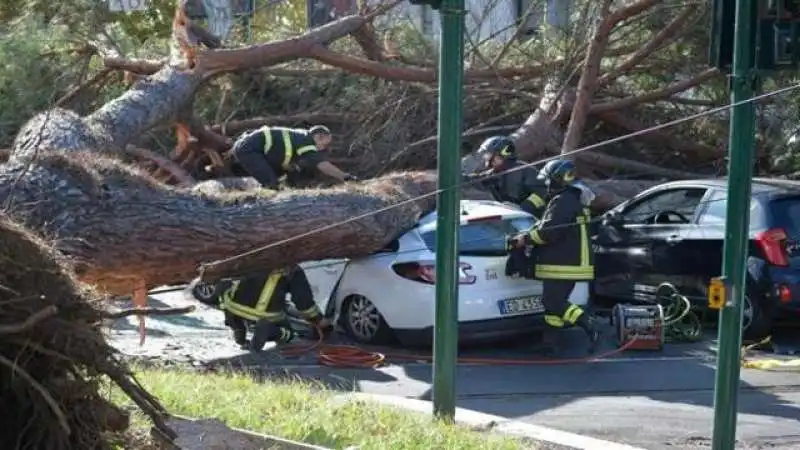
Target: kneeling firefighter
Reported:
point(270, 154)
point(260, 302)
point(563, 250)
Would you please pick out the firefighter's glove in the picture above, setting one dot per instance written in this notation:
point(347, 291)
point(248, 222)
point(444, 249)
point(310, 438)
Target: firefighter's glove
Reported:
point(519, 241)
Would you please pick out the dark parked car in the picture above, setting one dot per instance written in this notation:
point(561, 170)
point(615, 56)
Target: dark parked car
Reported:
point(674, 232)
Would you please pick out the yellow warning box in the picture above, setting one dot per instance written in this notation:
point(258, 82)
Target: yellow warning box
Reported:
point(717, 293)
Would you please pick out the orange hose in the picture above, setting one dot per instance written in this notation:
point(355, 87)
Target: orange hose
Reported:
point(350, 356)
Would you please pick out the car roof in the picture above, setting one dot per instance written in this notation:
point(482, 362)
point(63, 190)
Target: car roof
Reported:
point(760, 185)
point(474, 209)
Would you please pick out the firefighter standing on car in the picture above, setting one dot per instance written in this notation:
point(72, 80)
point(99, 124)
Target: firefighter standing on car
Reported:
point(260, 302)
point(564, 252)
point(270, 153)
point(520, 186)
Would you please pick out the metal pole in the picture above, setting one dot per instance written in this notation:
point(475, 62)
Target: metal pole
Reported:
point(451, 71)
point(740, 168)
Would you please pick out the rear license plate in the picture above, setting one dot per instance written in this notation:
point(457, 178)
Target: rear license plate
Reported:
point(521, 305)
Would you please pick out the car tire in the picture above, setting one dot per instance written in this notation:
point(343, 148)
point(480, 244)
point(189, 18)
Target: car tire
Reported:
point(759, 325)
point(363, 322)
point(207, 293)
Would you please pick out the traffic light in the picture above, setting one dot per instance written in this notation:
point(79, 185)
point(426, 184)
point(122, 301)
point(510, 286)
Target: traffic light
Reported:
point(723, 14)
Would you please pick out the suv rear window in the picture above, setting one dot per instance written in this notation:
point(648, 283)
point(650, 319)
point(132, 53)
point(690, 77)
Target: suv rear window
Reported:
point(484, 238)
point(786, 215)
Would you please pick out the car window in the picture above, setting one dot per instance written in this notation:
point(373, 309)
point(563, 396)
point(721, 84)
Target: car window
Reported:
point(786, 215)
point(647, 211)
point(484, 238)
point(715, 210)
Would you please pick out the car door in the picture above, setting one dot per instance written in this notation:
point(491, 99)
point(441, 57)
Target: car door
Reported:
point(645, 246)
point(706, 240)
point(323, 276)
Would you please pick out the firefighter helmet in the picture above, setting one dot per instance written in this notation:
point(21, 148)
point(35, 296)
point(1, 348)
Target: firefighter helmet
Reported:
point(558, 173)
point(500, 146)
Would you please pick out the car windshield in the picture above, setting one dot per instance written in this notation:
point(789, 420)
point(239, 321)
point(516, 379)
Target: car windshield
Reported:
point(484, 238)
point(786, 215)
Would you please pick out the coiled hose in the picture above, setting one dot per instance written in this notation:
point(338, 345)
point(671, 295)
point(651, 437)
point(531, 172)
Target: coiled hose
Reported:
point(681, 324)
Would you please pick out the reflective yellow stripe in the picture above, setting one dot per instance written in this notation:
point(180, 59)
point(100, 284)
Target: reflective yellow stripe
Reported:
point(559, 272)
point(267, 291)
point(310, 313)
point(536, 238)
point(572, 314)
point(288, 150)
point(537, 201)
point(553, 321)
point(305, 149)
point(259, 311)
point(267, 138)
point(286, 335)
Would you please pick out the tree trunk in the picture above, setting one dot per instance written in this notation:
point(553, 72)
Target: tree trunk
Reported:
point(119, 225)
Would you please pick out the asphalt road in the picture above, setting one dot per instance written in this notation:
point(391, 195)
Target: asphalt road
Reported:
point(652, 400)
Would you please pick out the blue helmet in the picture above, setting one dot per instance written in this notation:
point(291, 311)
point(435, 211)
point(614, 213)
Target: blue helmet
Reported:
point(501, 146)
point(558, 173)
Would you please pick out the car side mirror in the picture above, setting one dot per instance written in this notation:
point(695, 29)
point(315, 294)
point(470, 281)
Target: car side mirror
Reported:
point(613, 219)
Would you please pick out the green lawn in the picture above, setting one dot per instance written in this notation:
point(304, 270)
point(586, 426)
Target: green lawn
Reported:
point(305, 412)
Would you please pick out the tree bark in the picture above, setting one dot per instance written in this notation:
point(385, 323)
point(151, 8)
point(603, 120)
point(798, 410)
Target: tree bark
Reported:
point(119, 226)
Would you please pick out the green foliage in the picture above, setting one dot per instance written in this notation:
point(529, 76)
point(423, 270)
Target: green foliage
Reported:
point(36, 69)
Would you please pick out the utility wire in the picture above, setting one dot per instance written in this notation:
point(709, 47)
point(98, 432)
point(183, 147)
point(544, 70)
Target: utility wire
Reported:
point(520, 167)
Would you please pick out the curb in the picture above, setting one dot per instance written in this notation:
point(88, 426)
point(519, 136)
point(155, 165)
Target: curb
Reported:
point(494, 423)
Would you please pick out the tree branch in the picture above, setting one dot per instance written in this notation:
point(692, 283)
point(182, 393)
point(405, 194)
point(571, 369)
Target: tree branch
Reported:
point(659, 138)
point(654, 95)
point(658, 41)
point(181, 176)
point(148, 312)
point(587, 83)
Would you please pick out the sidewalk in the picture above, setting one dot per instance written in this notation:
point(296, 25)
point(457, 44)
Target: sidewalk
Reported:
point(497, 424)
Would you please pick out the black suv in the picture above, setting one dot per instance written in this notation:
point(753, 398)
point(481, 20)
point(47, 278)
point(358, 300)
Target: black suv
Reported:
point(674, 232)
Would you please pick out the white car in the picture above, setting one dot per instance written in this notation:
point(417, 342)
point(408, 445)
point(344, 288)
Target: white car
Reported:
point(391, 294)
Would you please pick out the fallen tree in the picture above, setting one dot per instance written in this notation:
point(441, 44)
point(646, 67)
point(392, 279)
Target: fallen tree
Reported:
point(126, 231)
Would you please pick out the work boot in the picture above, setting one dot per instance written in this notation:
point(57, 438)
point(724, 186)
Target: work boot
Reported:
point(263, 332)
point(588, 325)
point(240, 336)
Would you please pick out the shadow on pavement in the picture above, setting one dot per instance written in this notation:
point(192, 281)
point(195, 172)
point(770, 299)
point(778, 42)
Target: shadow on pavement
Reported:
point(153, 323)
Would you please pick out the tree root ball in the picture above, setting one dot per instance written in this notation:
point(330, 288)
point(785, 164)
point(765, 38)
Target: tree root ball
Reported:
point(52, 352)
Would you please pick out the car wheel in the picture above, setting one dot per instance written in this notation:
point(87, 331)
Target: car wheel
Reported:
point(363, 322)
point(756, 323)
point(207, 293)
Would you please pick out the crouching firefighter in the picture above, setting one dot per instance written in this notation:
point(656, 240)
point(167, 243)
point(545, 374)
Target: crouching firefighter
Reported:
point(259, 302)
point(270, 154)
point(563, 250)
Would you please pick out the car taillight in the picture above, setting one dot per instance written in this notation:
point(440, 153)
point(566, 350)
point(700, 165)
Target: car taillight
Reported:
point(773, 246)
point(425, 272)
point(784, 294)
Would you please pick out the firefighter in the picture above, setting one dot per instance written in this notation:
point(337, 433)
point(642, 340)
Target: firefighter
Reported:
point(270, 153)
point(520, 186)
point(564, 253)
point(260, 302)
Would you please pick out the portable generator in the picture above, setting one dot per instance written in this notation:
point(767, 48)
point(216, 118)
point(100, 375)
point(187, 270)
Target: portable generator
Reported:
point(639, 327)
